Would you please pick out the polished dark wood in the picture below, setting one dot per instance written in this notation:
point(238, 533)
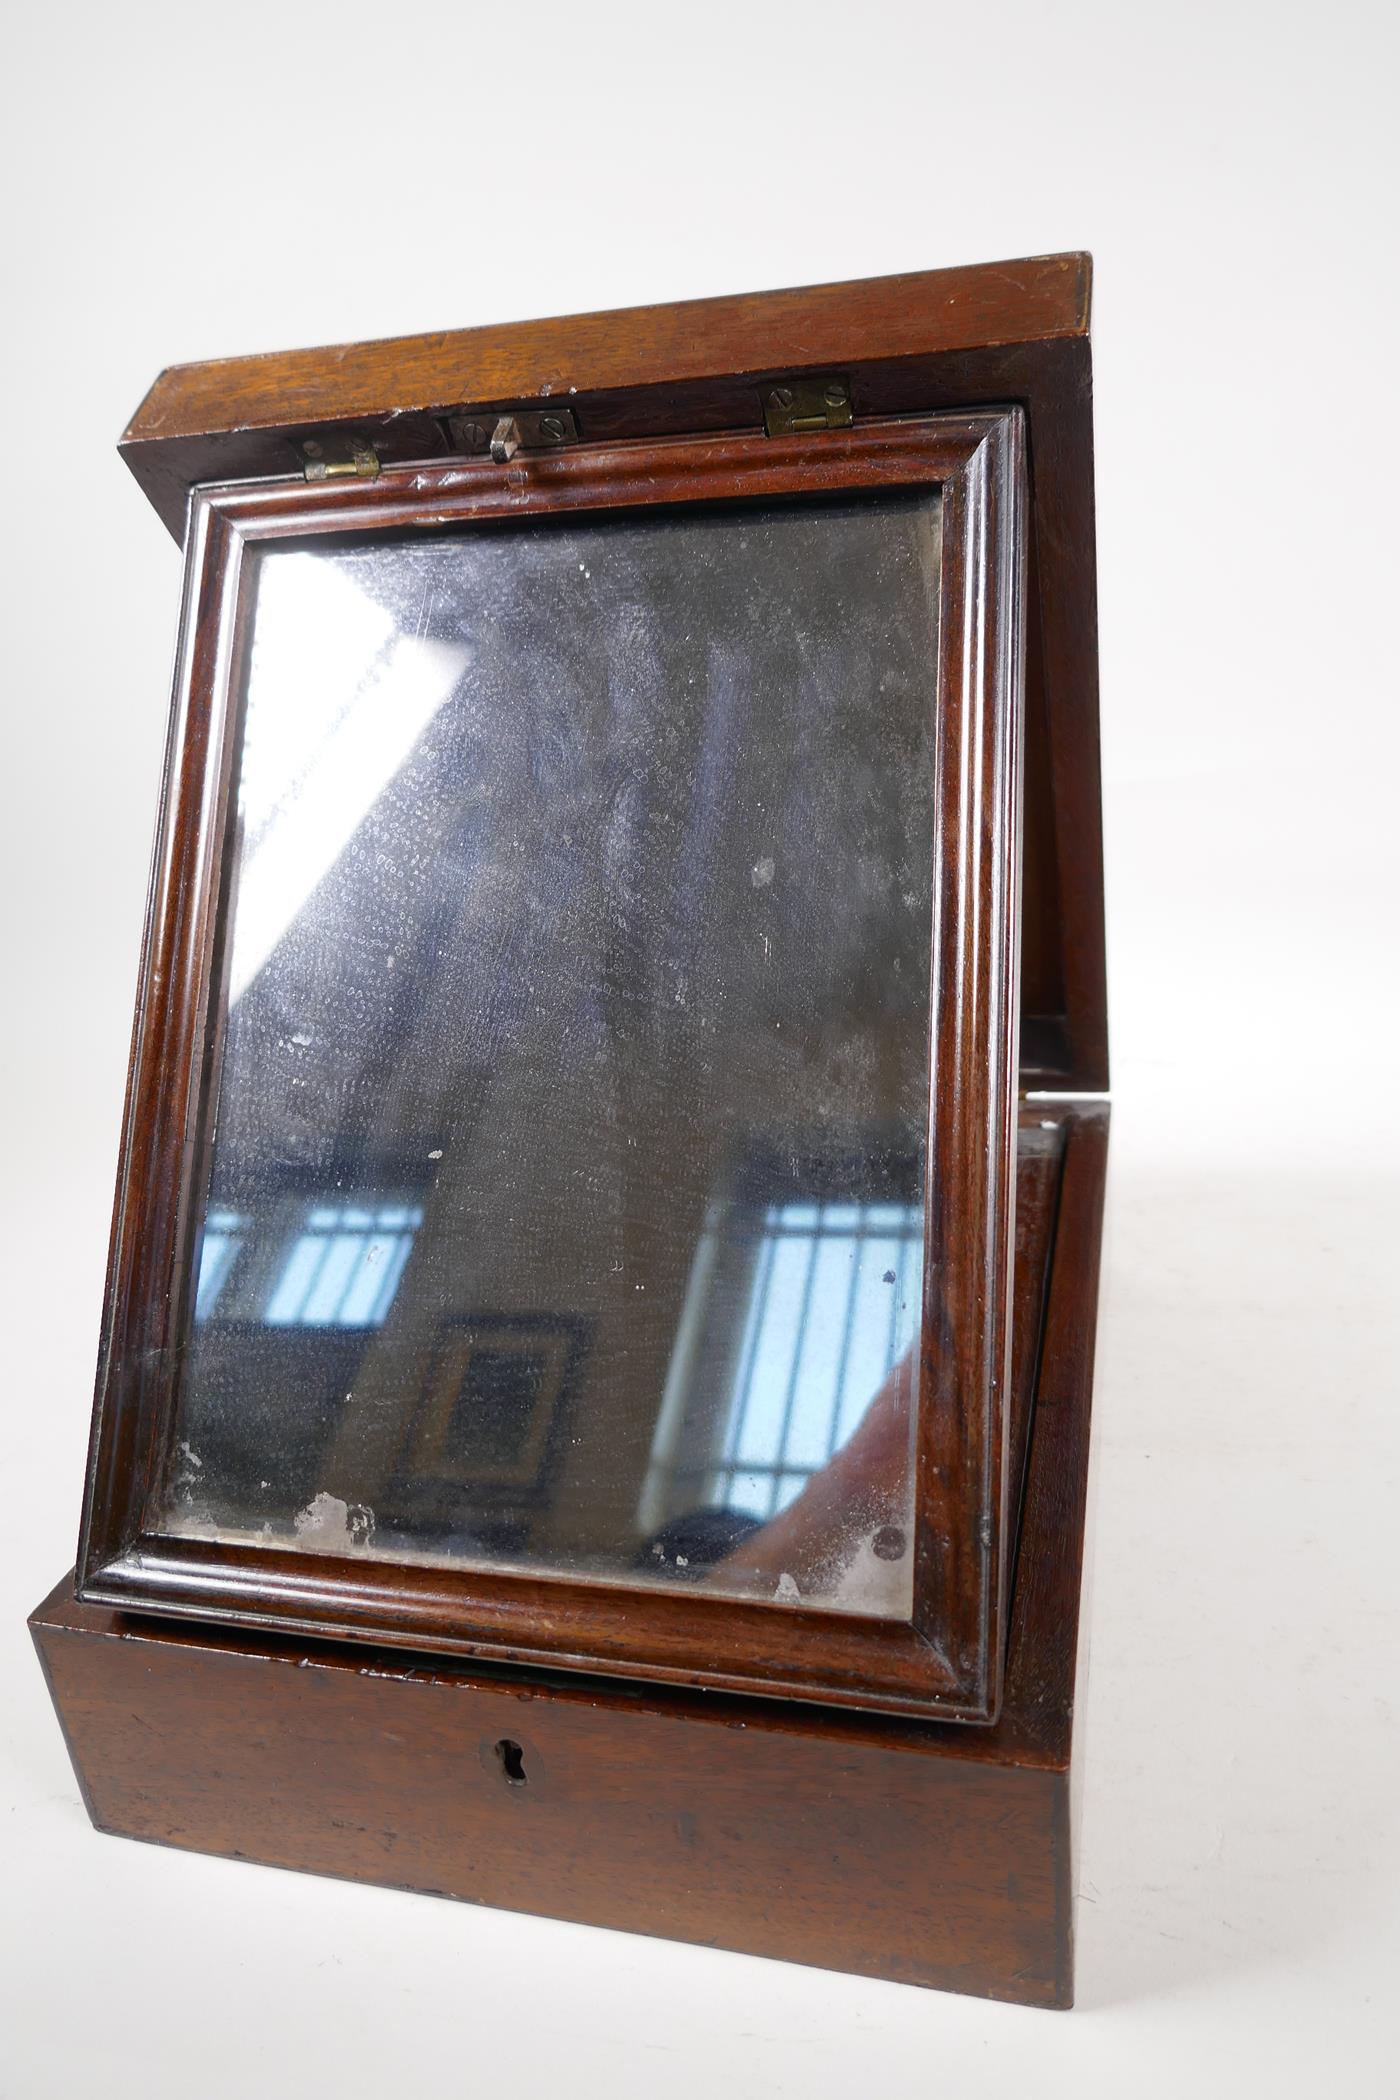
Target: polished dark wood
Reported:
point(883, 1842)
point(947, 1657)
point(986, 336)
point(926, 1853)
point(646, 371)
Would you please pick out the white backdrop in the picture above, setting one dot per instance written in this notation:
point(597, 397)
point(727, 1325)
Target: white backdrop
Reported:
point(184, 182)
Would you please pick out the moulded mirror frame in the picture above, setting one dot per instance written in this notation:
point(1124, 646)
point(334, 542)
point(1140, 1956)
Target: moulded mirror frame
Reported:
point(945, 1660)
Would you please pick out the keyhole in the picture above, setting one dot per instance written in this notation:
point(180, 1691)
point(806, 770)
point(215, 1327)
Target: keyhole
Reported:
point(512, 1759)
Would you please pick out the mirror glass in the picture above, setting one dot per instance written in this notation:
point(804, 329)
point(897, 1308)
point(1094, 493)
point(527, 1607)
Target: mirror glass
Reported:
point(561, 1198)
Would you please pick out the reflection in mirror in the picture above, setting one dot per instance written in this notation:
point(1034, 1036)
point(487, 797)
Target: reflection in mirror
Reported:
point(564, 1181)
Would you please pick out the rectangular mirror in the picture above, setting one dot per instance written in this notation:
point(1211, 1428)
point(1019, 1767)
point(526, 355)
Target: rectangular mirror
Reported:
point(585, 1179)
point(565, 1207)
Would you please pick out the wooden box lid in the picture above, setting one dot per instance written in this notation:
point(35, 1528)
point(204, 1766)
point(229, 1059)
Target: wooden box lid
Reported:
point(995, 334)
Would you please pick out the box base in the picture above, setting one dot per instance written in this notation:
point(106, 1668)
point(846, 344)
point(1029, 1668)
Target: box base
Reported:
point(928, 1854)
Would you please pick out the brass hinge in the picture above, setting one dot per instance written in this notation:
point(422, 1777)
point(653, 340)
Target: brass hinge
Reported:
point(527, 429)
point(820, 403)
point(339, 453)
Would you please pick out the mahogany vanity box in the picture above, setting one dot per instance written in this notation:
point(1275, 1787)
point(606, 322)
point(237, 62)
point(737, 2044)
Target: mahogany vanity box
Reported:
point(593, 1404)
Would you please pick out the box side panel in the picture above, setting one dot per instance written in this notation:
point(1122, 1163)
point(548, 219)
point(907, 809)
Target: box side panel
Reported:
point(895, 1861)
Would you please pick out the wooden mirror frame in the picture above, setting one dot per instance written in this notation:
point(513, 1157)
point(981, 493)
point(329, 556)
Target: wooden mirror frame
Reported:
point(946, 1659)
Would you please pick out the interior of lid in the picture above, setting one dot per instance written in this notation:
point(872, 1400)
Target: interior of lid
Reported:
point(1046, 1057)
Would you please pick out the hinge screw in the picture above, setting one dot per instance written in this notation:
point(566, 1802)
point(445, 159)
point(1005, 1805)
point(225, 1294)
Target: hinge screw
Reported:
point(782, 397)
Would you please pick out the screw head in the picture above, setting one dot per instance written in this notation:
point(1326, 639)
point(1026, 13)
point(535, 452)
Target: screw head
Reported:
point(311, 449)
point(552, 430)
point(782, 397)
point(836, 396)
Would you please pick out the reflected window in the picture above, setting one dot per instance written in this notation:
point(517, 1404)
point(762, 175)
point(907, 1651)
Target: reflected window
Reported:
point(831, 1306)
point(344, 1266)
point(224, 1234)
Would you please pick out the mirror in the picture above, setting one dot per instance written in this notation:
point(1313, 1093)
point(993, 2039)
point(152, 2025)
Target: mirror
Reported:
point(562, 1196)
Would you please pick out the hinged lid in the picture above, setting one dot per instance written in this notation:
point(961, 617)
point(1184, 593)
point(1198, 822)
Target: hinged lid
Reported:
point(998, 333)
